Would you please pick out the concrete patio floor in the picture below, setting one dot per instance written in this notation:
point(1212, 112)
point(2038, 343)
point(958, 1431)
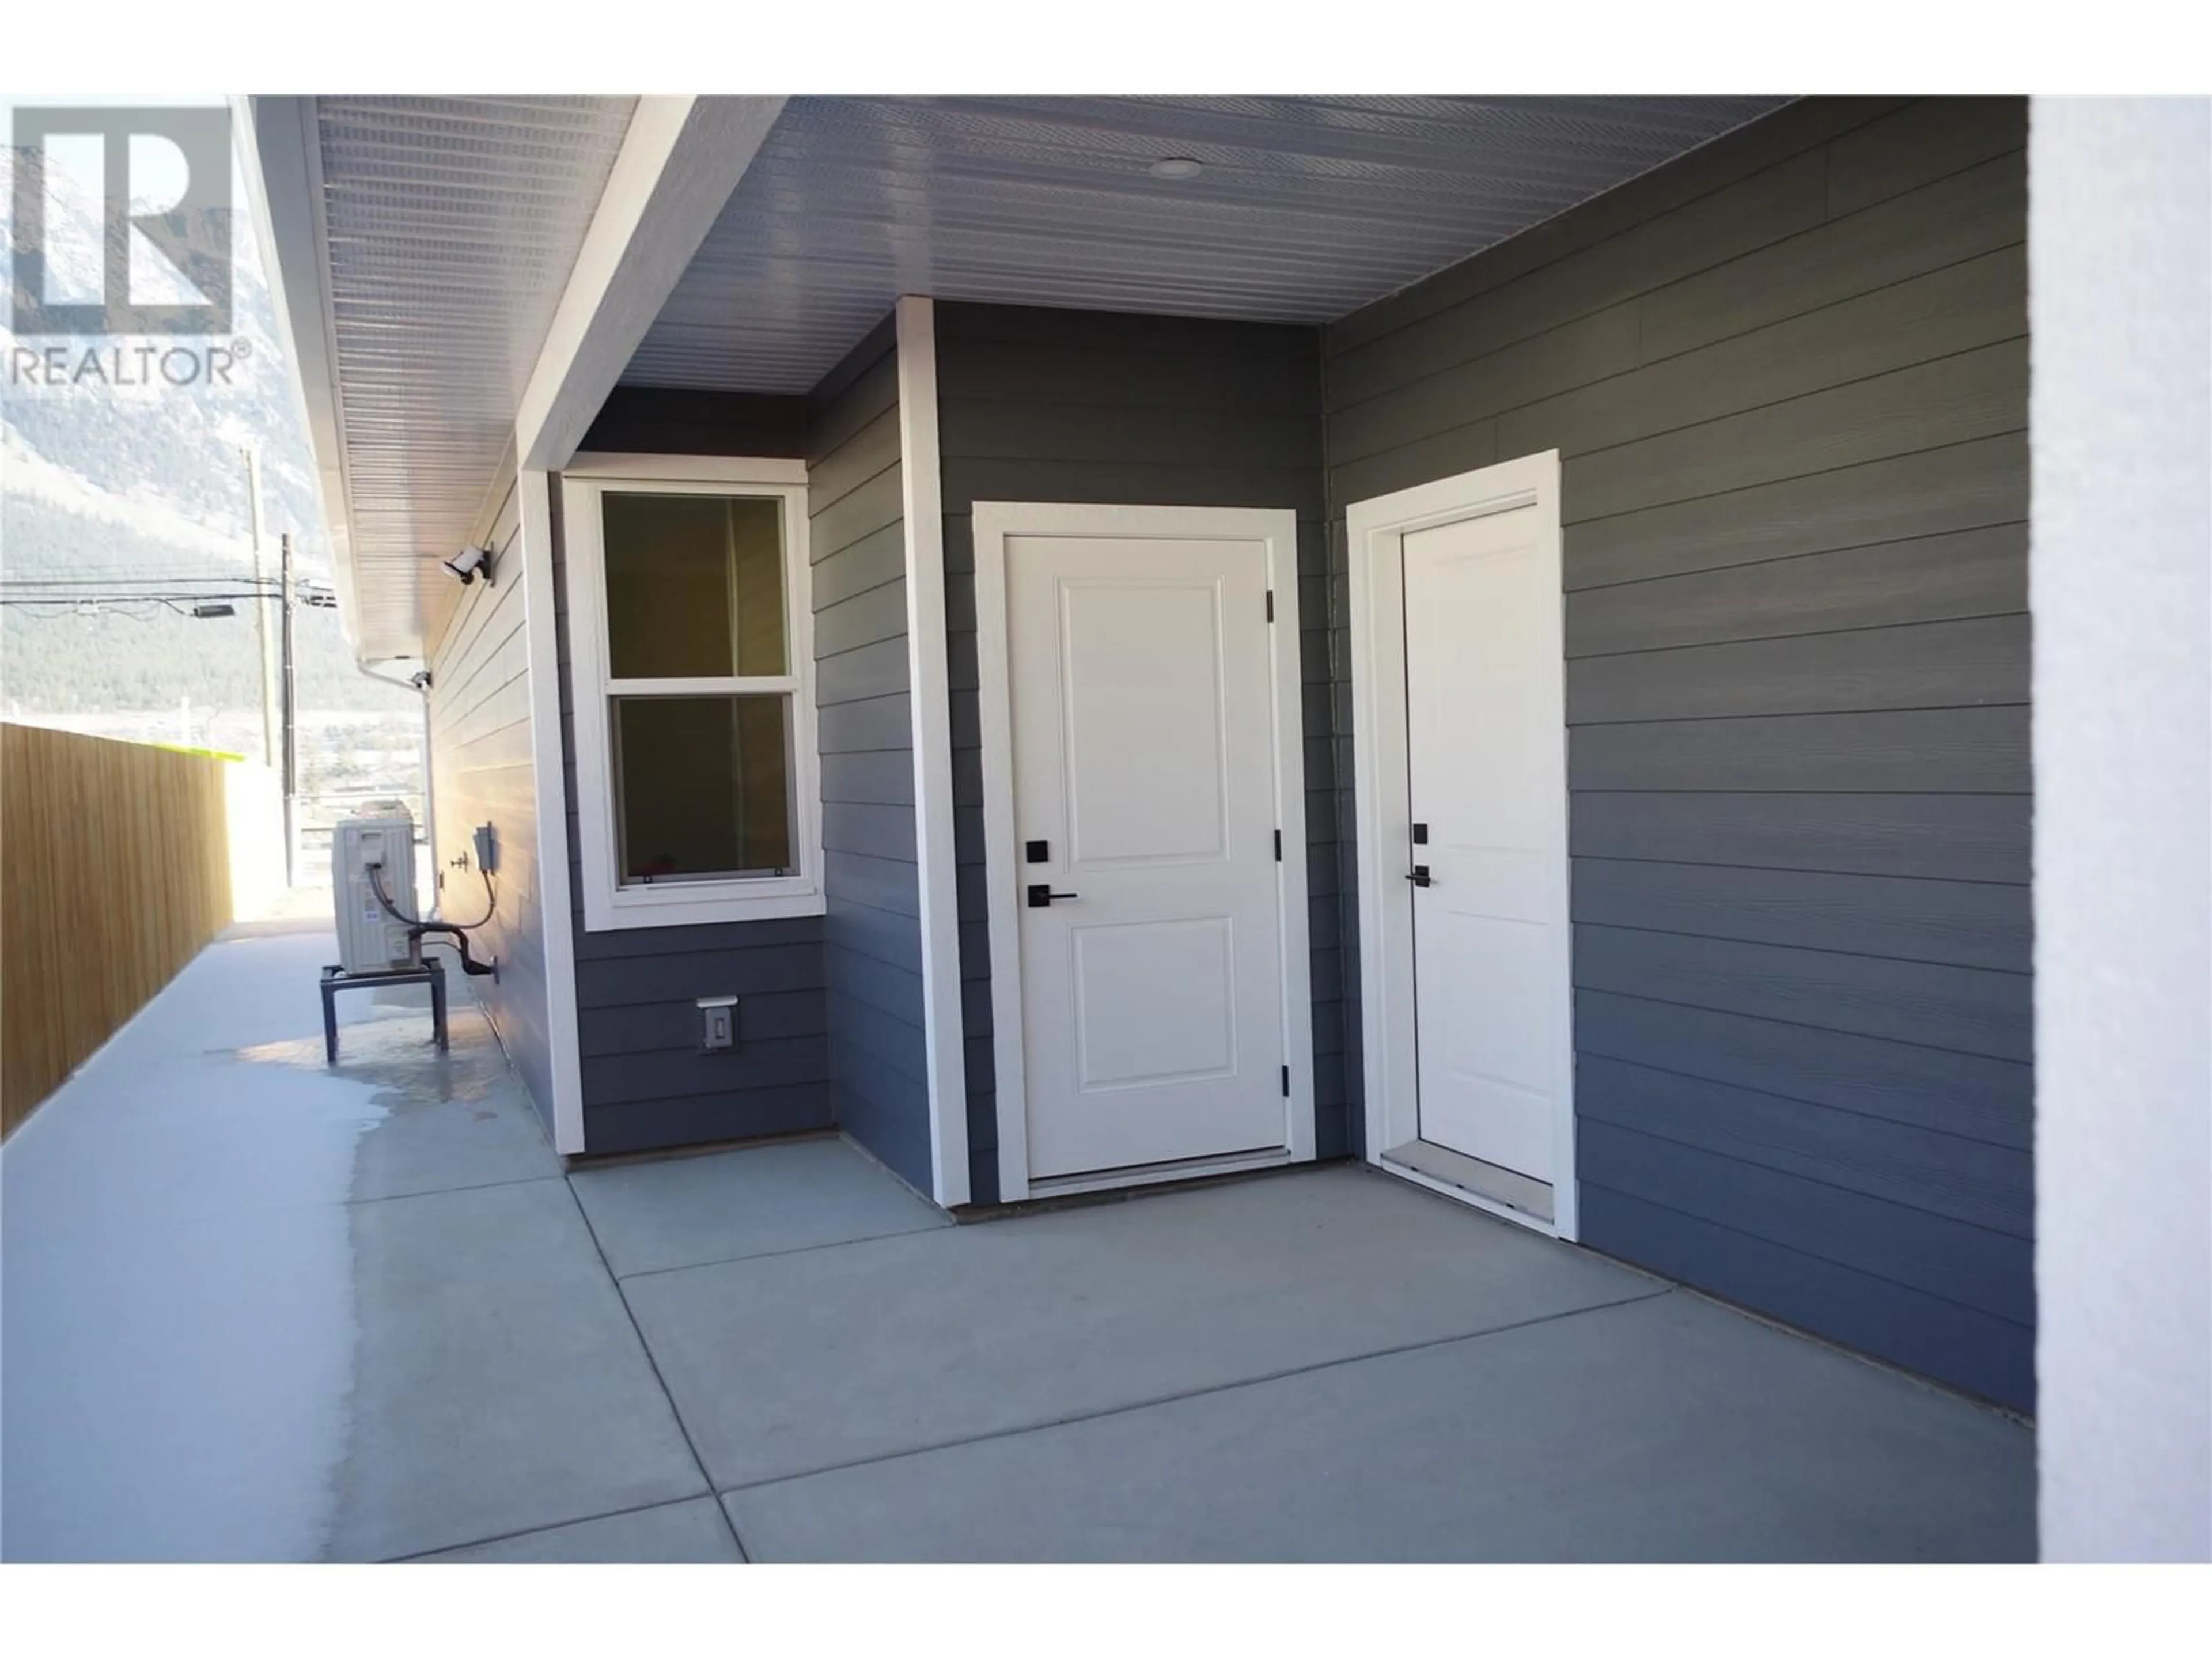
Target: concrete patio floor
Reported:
point(259, 1309)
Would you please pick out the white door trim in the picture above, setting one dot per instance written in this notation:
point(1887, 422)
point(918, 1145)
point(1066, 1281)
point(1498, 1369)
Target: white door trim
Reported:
point(1278, 528)
point(1374, 535)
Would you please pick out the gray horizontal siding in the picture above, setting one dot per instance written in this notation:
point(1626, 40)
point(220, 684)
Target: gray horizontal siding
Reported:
point(872, 933)
point(1703, 172)
point(687, 1119)
point(1971, 924)
point(664, 421)
point(1787, 375)
point(1971, 1097)
point(1967, 486)
point(1985, 1353)
point(1945, 837)
point(1941, 578)
point(1041, 405)
point(1970, 1011)
point(669, 974)
point(646, 1082)
point(1978, 663)
point(1905, 751)
point(1936, 1173)
point(483, 770)
point(657, 1027)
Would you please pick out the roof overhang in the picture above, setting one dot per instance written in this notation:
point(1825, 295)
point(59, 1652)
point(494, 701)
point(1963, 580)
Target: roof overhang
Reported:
point(462, 281)
point(459, 283)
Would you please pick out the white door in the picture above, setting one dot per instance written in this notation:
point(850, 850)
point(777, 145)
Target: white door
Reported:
point(1140, 692)
point(1486, 775)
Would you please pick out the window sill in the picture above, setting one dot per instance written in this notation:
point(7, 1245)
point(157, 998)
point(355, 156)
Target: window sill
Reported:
point(636, 907)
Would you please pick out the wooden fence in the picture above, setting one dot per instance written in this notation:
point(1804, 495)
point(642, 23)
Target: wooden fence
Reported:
point(115, 870)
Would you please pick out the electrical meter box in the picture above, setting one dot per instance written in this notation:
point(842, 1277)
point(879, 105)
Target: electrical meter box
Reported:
point(380, 839)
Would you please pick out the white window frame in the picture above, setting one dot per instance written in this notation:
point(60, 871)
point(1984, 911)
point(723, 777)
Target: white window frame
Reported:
point(608, 904)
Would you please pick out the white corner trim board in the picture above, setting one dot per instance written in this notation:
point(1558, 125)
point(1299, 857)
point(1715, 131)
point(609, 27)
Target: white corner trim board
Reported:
point(2119, 259)
point(929, 676)
point(1276, 530)
point(541, 649)
point(608, 904)
point(1377, 536)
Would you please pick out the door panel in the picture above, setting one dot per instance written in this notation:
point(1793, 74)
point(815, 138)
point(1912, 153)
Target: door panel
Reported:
point(1157, 1001)
point(1486, 766)
point(1140, 689)
point(1141, 720)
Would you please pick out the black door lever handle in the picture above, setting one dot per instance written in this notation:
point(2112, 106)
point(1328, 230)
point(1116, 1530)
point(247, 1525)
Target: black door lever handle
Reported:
point(1419, 877)
point(1041, 895)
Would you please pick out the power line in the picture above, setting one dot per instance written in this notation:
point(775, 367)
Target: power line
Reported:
point(93, 600)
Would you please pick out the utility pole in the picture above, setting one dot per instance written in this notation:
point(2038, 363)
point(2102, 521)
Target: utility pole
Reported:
point(291, 723)
point(264, 642)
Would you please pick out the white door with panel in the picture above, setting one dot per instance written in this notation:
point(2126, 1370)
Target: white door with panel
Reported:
point(1141, 694)
point(1486, 779)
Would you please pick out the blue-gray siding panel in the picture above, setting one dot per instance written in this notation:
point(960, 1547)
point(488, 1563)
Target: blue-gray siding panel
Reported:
point(1972, 1349)
point(1084, 406)
point(482, 771)
point(1787, 374)
point(872, 934)
point(637, 420)
point(1973, 1097)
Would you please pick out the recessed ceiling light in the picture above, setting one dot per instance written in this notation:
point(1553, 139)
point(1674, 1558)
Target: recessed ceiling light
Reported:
point(1174, 167)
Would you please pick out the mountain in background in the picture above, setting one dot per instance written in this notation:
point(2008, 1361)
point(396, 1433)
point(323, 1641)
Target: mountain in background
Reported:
point(98, 482)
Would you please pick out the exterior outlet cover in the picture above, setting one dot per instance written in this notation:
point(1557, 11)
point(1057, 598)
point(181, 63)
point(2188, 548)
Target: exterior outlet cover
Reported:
point(718, 1023)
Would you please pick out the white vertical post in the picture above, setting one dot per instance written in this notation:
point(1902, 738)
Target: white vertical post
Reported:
point(2120, 422)
point(532, 554)
point(929, 679)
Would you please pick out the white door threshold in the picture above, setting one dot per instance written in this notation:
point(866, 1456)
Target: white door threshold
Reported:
point(1145, 1174)
point(1522, 1196)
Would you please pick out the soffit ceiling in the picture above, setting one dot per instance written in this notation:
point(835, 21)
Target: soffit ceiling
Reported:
point(1305, 208)
point(450, 226)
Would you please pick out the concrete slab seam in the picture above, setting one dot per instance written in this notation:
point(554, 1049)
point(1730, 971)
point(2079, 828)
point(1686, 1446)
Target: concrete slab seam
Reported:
point(1197, 1393)
point(440, 1192)
point(771, 1255)
point(653, 1365)
point(558, 1526)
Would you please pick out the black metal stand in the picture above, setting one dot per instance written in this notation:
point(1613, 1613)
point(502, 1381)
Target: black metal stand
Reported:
point(335, 979)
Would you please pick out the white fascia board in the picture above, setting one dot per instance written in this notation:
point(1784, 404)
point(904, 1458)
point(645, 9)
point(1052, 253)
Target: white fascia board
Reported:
point(679, 161)
point(281, 156)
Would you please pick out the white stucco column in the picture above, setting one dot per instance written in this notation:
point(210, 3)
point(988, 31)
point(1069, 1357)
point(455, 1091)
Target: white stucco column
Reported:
point(2120, 283)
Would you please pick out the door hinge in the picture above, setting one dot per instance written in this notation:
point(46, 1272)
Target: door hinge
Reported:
point(1271, 604)
point(1287, 1083)
point(1278, 847)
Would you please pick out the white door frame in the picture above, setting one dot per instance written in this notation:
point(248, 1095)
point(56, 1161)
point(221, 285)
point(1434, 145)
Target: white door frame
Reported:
point(1278, 529)
point(1375, 534)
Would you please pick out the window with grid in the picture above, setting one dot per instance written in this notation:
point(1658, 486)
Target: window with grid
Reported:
point(701, 724)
